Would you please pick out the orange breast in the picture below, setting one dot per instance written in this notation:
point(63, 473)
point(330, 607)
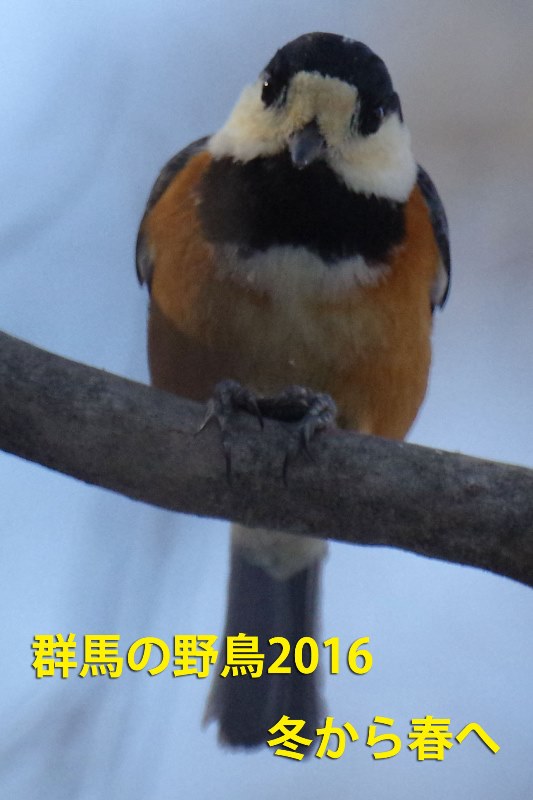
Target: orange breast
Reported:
point(369, 348)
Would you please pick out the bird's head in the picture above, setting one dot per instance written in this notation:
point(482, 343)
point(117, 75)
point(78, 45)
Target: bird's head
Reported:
point(325, 97)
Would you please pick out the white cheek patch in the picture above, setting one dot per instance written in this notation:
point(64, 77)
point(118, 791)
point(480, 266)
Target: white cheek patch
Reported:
point(287, 272)
point(250, 131)
point(381, 164)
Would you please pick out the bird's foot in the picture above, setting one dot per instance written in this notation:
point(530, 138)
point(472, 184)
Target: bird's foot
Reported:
point(230, 397)
point(306, 411)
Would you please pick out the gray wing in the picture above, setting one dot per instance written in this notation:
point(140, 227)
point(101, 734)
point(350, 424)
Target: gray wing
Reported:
point(441, 286)
point(143, 259)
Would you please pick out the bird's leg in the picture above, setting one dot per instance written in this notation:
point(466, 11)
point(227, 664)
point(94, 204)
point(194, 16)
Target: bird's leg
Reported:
point(229, 397)
point(306, 411)
point(303, 410)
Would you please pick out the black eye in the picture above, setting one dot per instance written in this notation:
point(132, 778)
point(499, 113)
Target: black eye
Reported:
point(374, 118)
point(274, 91)
point(370, 120)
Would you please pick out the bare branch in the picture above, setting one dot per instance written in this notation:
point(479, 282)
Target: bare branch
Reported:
point(141, 442)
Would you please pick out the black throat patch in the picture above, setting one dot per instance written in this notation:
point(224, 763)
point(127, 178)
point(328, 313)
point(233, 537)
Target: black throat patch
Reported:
point(267, 202)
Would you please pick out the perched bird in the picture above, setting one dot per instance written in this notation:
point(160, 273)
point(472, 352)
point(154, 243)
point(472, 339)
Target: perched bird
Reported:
point(301, 244)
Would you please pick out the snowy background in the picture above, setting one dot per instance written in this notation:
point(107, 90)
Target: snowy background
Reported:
point(94, 97)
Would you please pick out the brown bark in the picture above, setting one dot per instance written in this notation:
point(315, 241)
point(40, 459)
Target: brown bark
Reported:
point(142, 442)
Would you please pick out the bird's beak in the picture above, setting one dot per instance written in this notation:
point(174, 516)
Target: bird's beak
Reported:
point(306, 145)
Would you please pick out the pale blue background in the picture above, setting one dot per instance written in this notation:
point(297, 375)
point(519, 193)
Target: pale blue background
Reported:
point(94, 97)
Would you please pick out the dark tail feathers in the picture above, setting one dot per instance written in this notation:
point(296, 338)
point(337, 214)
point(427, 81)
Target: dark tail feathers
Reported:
point(263, 606)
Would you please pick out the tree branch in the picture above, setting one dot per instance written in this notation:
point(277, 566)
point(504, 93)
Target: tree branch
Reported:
point(141, 442)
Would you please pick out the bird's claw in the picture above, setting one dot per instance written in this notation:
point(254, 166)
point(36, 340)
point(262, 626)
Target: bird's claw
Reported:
point(308, 413)
point(228, 398)
point(305, 412)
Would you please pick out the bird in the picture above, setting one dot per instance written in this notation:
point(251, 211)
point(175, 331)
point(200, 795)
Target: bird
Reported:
point(300, 246)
